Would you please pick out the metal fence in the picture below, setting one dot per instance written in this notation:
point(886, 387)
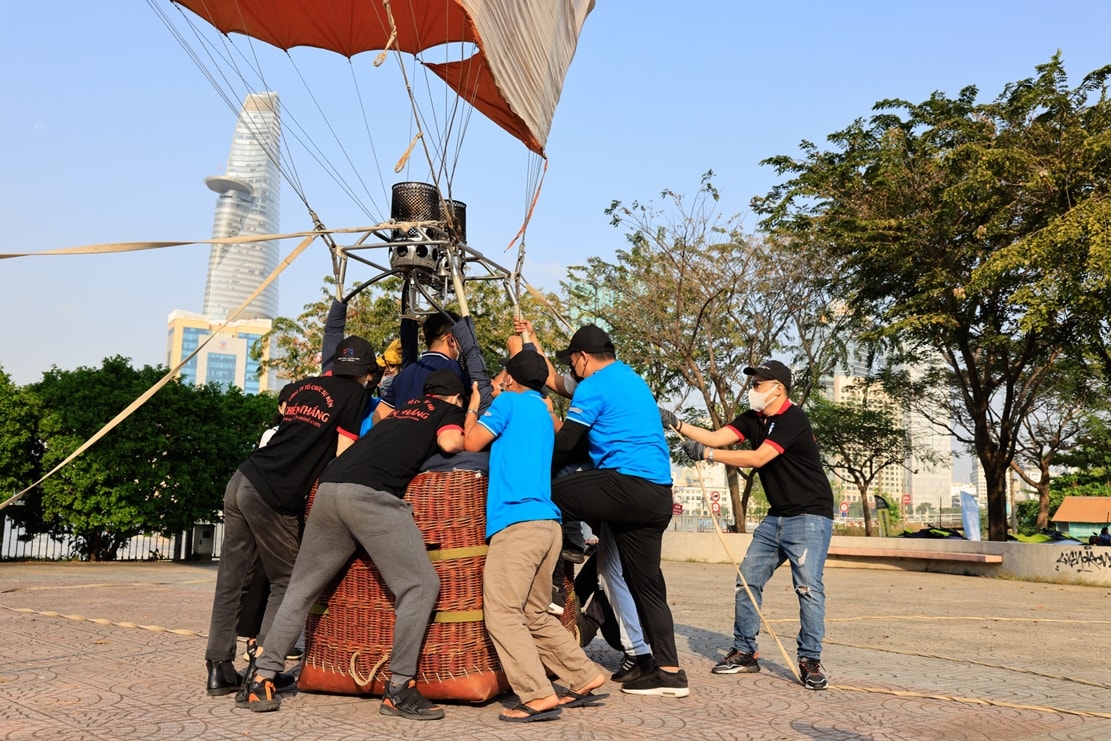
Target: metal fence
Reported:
point(15, 546)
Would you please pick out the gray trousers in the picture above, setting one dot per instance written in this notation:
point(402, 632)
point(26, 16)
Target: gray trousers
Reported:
point(343, 517)
point(253, 530)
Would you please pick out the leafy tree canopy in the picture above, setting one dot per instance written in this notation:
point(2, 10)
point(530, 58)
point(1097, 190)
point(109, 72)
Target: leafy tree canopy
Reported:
point(161, 470)
point(970, 232)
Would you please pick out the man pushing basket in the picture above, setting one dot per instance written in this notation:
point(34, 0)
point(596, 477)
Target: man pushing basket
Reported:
point(359, 502)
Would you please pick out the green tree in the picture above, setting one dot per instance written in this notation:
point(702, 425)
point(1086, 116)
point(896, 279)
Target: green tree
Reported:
point(1057, 419)
point(371, 314)
point(1088, 460)
point(945, 222)
point(20, 452)
point(161, 470)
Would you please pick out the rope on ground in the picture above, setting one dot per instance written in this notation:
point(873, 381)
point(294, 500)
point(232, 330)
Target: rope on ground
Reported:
point(977, 618)
point(972, 701)
point(105, 621)
point(974, 662)
point(54, 587)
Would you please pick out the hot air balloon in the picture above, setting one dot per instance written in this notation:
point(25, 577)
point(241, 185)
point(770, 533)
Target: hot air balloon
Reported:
point(512, 59)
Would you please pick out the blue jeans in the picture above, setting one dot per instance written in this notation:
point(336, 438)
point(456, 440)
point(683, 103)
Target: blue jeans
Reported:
point(802, 540)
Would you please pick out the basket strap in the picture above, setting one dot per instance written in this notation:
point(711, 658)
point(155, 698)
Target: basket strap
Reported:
point(458, 616)
point(447, 554)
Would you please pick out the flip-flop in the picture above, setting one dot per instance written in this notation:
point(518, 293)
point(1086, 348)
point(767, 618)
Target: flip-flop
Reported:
point(582, 699)
point(531, 714)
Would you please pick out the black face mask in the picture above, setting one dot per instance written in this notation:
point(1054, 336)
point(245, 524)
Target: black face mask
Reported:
point(575, 374)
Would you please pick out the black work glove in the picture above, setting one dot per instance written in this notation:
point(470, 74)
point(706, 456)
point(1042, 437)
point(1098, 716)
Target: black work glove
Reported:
point(695, 450)
point(668, 419)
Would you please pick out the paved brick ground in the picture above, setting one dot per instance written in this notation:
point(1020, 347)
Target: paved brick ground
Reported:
point(911, 656)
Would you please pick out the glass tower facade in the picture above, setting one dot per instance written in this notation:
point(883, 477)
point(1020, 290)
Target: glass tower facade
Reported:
point(247, 203)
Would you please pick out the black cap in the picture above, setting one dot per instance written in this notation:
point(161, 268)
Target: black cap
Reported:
point(528, 368)
point(589, 339)
point(286, 392)
point(771, 370)
point(354, 357)
point(443, 383)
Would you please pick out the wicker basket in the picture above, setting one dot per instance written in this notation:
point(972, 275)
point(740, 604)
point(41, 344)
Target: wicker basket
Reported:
point(349, 633)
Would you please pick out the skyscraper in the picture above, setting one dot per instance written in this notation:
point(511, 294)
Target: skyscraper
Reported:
point(247, 203)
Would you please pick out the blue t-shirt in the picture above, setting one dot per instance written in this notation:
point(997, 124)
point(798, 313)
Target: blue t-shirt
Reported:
point(520, 487)
point(368, 418)
point(625, 431)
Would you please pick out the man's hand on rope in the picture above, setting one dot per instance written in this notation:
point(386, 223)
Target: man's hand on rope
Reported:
point(695, 450)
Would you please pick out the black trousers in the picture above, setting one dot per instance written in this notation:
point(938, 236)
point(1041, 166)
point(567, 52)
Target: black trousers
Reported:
point(638, 511)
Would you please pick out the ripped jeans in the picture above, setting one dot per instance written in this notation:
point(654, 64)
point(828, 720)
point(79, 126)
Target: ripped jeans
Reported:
point(802, 540)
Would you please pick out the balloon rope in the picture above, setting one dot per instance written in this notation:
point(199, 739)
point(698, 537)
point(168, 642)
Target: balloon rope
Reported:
point(531, 208)
point(405, 157)
point(378, 60)
point(412, 104)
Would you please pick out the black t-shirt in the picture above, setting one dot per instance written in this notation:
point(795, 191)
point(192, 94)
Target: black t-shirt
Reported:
point(317, 411)
point(794, 481)
point(392, 452)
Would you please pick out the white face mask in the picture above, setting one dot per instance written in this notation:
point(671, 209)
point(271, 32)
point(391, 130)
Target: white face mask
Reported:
point(757, 399)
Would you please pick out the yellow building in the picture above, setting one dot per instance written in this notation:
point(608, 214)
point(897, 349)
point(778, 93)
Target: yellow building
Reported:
point(226, 360)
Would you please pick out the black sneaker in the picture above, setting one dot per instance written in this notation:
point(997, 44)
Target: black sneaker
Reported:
point(408, 702)
point(261, 696)
point(659, 682)
point(813, 678)
point(634, 667)
point(737, 662)
point(628, 671)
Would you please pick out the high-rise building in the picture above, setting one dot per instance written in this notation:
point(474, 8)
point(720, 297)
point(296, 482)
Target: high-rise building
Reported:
point(247, 203)
point(923, 479)
point(226, 360)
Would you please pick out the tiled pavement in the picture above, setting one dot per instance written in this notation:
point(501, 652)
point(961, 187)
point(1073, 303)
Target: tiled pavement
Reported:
point(911, 656)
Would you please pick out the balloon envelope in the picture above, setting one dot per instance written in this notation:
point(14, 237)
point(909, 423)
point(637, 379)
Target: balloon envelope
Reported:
point(515, 77)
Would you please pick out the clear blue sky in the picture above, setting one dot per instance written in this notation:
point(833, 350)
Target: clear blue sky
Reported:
point(107, 132)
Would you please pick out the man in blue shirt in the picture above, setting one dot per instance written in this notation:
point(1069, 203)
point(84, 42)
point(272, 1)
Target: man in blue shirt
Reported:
point(523, 528)
point(629, 488)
